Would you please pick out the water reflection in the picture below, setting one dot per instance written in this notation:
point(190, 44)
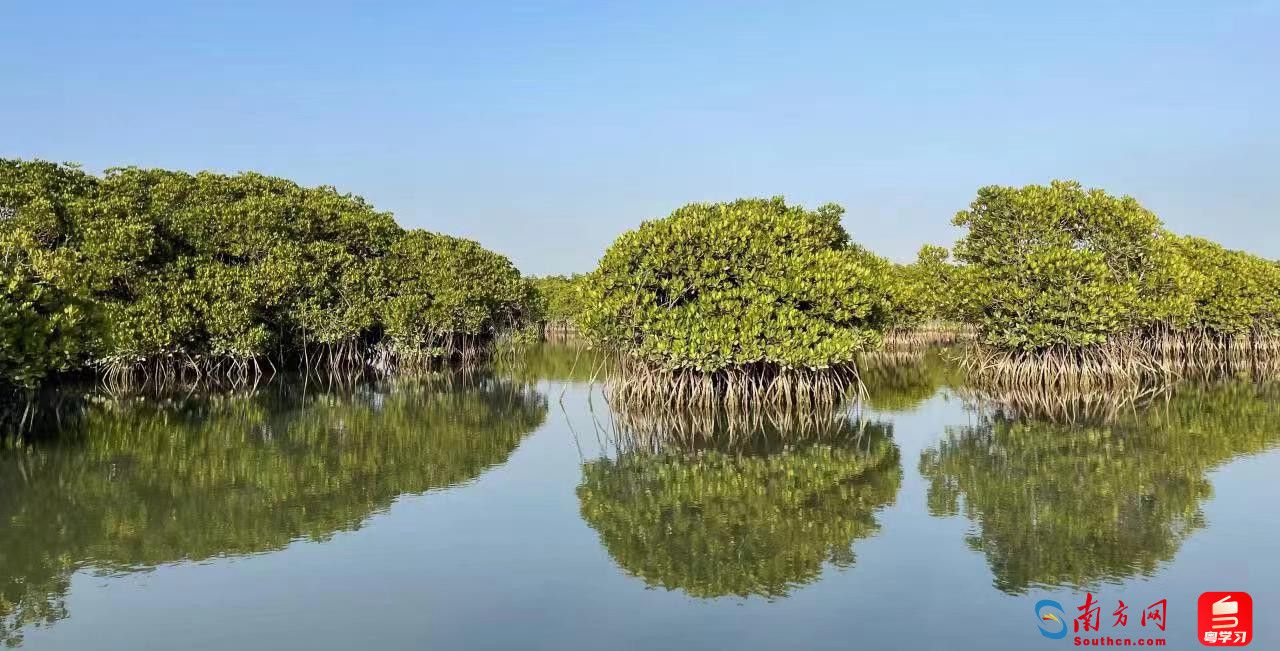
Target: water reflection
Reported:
point(140, 482)
point(739, 513)
point(1061, 492)
point(562, 361)
point(900, 381)
point(1070, 504)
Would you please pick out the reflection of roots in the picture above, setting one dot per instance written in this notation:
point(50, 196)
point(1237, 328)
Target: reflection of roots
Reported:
point(758, 429)
point(1064, 406)
point(893, 357)
point(336, 365)
point(743, 388)
point(26, 416)
point(439, 377)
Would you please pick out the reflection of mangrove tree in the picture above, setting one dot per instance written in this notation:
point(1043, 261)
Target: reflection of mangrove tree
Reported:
point(146, 482)
point(1071, 505)
point(571, 361)
point(904, 380)
point(716, 523)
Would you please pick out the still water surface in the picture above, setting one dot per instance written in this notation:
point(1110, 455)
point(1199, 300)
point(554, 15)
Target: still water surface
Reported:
point(513, 509)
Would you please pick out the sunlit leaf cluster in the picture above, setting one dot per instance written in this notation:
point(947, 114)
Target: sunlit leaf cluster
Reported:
point(146, 265)
point(46, 312)
point(753, 281)
point(560, 299)
point(1064, 267)
point(920, 293)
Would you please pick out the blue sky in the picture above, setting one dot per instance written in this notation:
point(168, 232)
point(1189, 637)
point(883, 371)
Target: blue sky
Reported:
point(544, 130)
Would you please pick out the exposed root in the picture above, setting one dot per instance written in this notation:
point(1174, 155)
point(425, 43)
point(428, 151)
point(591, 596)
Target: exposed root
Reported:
point(1118, 364)
point(1203, 352)
point(1125, 362)
point(560, 330)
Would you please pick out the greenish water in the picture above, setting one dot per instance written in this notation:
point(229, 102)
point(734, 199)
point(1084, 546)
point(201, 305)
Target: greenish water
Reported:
point(515, 509)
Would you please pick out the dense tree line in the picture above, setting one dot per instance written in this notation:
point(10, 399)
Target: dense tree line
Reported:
point(757, 284)
point(162, 271)
point(1059, 267)
point(1054, 277)
point(167, 271)
point(559, 301)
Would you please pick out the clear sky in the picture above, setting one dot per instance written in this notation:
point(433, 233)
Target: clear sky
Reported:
point(544, 130)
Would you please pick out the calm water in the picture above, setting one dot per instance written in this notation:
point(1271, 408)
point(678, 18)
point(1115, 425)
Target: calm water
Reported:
point(513, 509)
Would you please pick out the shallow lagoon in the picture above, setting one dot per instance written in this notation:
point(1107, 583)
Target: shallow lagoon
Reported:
point(513, 509)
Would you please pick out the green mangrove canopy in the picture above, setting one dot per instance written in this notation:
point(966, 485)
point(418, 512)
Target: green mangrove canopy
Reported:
point(440, 287)
point(155, 267)
point(722, 286)
point(561, 299)
point(1059, 267)
point(1053, 265)
point(920, 293)
point(46, 315)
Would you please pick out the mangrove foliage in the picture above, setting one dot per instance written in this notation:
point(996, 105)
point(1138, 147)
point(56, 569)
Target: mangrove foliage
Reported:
point(161, 274)
point(1079, 282)
point(753, 296)
point(164, 272)
point(559, 302)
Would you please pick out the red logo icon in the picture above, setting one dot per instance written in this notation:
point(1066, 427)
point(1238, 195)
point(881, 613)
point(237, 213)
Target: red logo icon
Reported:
point(1225, 618)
